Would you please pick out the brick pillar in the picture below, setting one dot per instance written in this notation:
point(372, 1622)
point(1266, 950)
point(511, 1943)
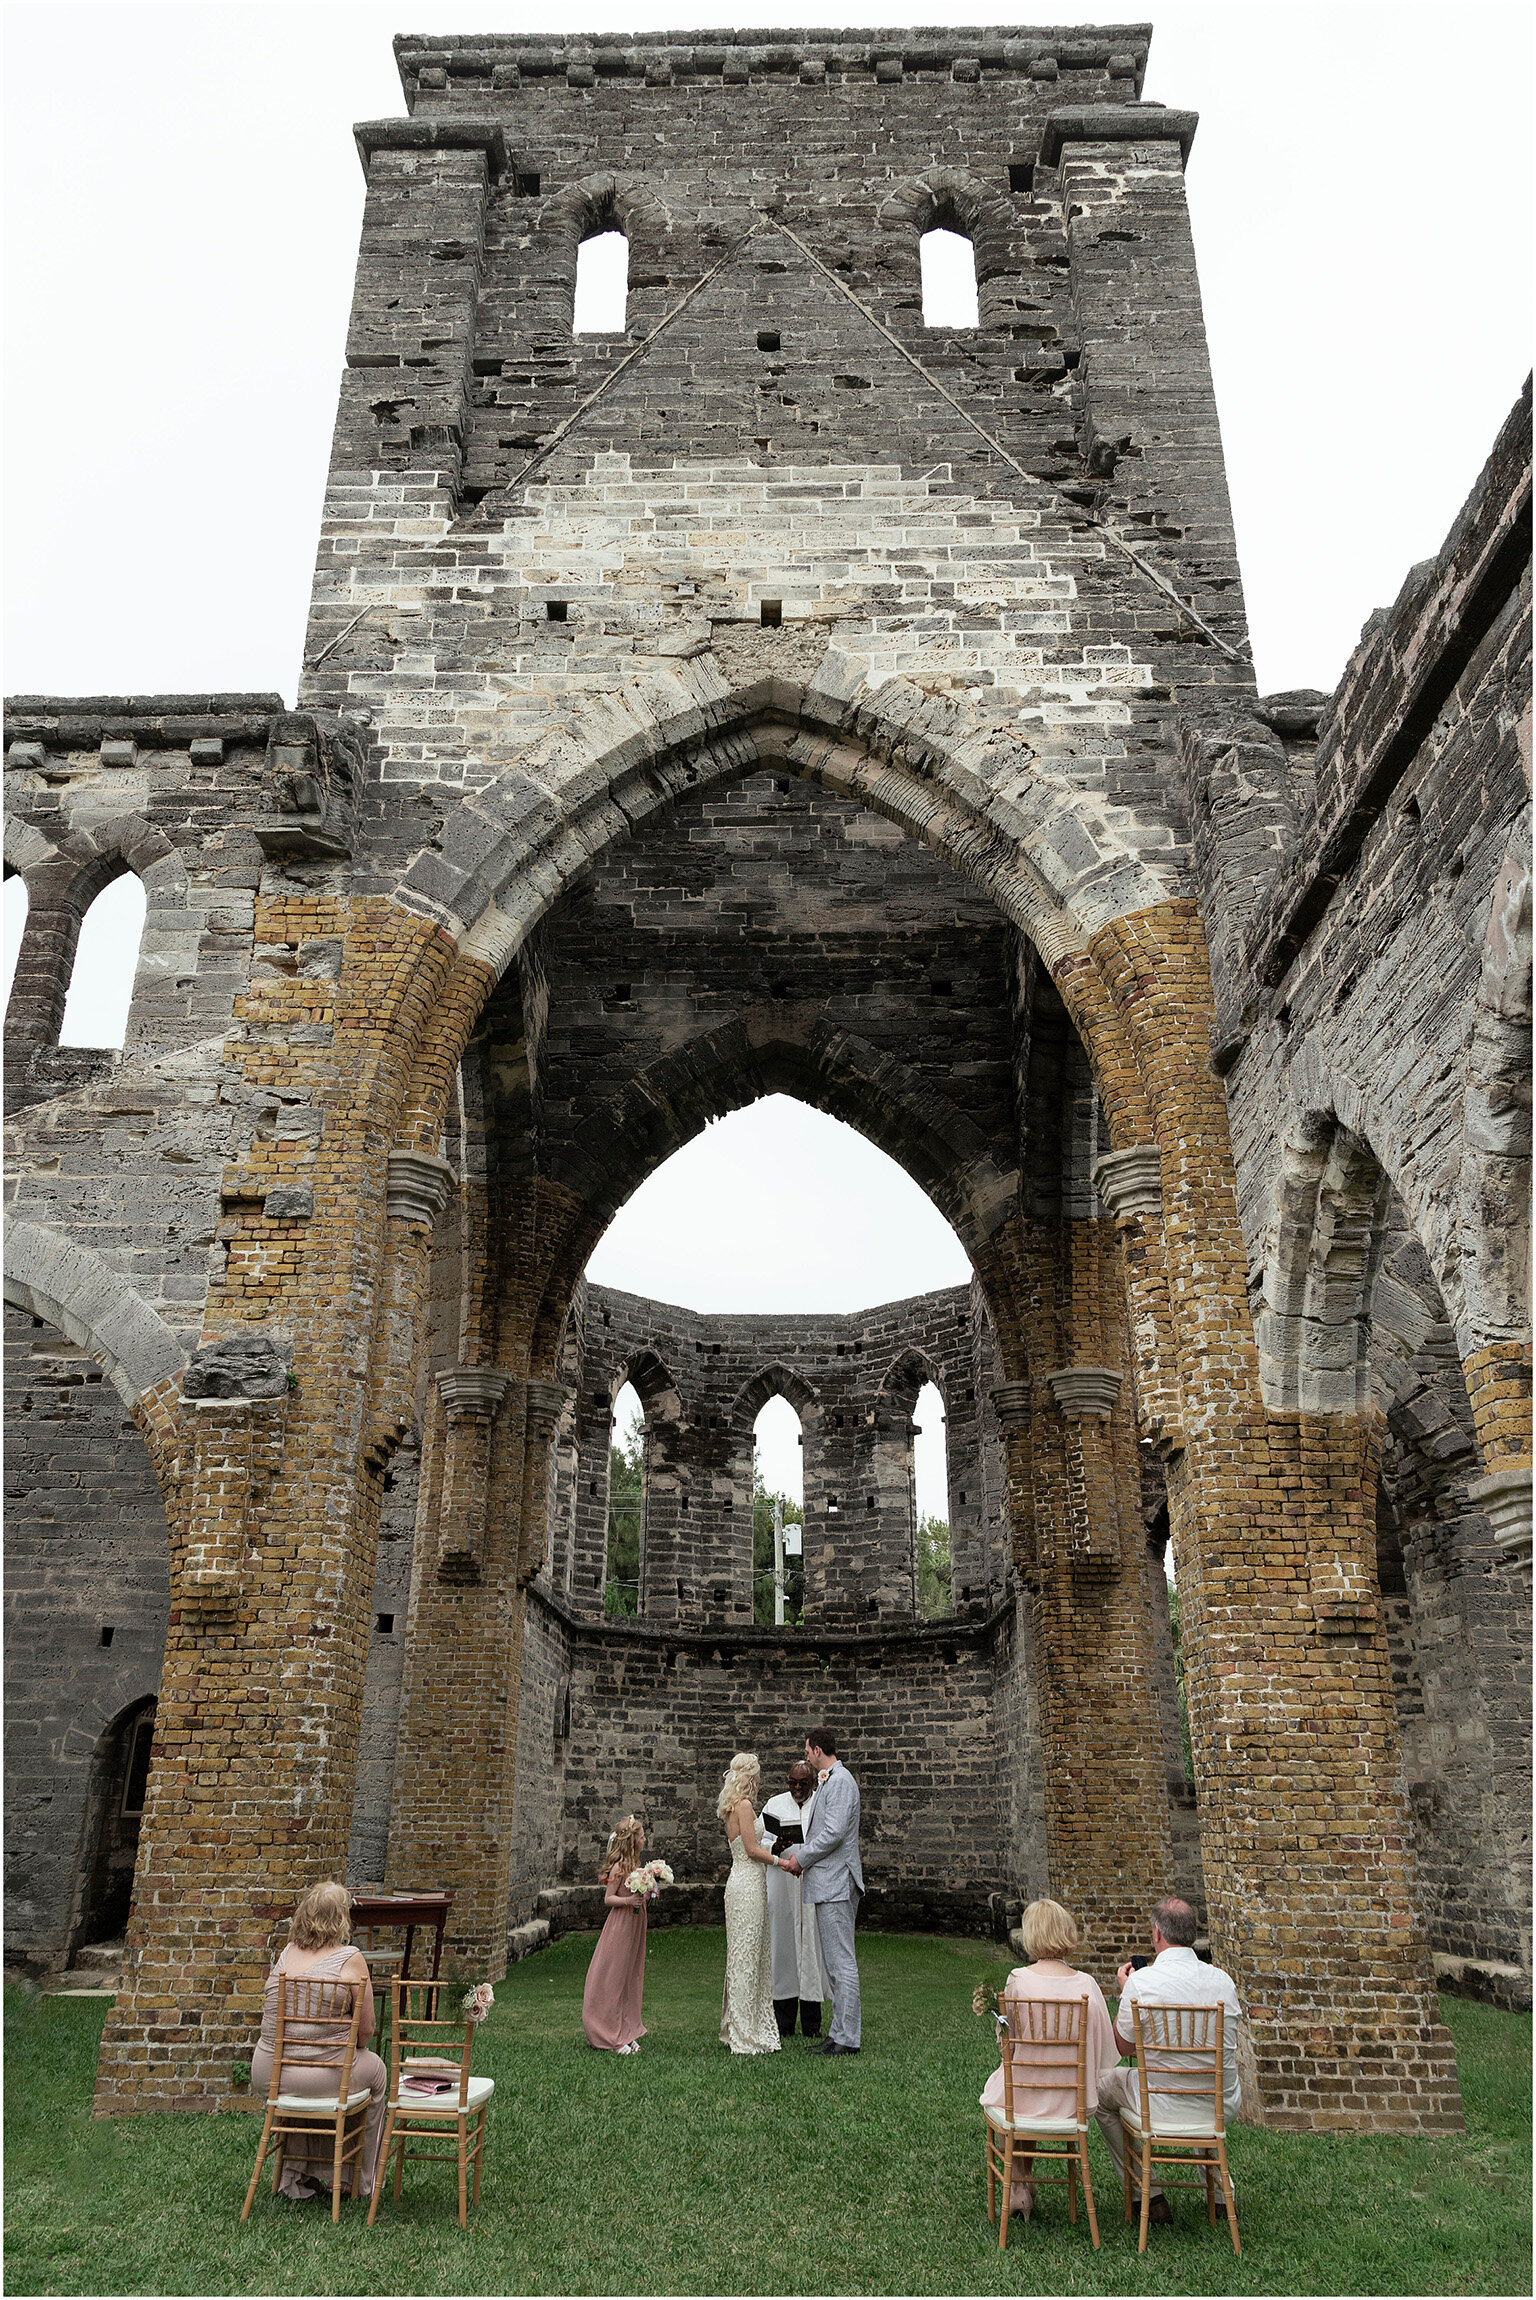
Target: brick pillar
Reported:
point(455, 1761)
point(670, 1585)
point(274, 1518)
point(56, 902)
point(1073, 1493)
point(1305, 1826)
point(1499, 1385)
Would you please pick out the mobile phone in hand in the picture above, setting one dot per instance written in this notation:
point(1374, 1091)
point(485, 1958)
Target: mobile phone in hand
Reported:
point(1139, 1964)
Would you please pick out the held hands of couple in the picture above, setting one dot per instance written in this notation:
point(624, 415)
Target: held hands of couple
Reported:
point(788, 1861)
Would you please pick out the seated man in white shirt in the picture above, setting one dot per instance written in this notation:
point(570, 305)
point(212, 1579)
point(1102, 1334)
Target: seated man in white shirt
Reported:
point(1175, 1976)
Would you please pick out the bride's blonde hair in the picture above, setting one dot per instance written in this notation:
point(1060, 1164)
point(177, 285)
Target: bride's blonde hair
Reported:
point(743, 1778)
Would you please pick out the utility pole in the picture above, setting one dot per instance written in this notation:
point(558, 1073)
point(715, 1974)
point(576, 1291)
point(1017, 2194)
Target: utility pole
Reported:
point(778, 1560)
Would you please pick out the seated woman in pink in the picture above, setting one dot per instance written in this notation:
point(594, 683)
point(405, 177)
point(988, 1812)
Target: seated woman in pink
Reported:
point(1050, 1936)
point(320, 1948)
point(610, 2005)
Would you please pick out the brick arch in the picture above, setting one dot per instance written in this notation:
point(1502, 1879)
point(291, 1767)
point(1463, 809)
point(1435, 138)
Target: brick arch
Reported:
point(1049, 855)
point(1322, 1101)
point(954, 200)
point(670, 1103)
point(652, 1382)
point(773, 1381)
point(607, 201)
point(912, 1369)
point(765, 1052)
point(76, 1289)
point(63, 881)
point(1327, 1236)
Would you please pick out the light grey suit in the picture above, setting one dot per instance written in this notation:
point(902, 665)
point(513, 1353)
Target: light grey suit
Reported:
point(834, 1880)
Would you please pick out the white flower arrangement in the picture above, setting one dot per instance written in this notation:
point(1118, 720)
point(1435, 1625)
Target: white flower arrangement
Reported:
point(477, 2001)
point(649, 1880)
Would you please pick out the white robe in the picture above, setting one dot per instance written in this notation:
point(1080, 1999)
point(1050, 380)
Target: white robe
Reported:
point(791, 1922)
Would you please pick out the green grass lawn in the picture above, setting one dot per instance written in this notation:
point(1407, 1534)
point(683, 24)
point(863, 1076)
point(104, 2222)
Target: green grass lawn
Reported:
point(684, 2170)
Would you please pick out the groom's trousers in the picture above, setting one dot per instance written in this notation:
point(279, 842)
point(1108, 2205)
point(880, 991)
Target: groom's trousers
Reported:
point(834, 1933)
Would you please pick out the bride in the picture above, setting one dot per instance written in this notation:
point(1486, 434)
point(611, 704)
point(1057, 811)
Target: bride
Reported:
point(747, 2022)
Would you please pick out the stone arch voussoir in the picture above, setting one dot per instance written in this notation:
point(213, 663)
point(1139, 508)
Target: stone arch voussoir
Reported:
point(772, 1381)
point(1321, 1099)
point(75, 1289)
point(1046, 853)
point(26, 849)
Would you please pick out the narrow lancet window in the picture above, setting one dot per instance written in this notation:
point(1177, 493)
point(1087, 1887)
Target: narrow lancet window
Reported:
point(949, 279)
point(106, 959)
point(778, 1547)
point(930, 1483)
point(624, 1569)
point(602, 285)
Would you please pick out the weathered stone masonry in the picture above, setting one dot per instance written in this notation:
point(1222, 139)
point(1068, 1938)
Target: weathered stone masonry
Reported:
point(781, 696)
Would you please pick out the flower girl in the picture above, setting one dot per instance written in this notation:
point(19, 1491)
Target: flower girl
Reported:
point(610, 2007)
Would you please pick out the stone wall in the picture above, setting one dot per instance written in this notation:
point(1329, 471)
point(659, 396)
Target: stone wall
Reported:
point(853, 1381)
point(86, 1597)
point(655, 1717)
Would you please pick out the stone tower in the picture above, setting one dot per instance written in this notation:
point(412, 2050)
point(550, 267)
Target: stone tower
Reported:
point(781, 694)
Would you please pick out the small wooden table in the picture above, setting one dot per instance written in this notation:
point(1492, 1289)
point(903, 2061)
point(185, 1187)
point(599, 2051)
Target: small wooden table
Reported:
point(411, 1910)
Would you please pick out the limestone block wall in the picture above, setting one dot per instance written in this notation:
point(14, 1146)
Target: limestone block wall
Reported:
point(1368, 862)
point(655, 1716)
point(86, 1597)
point(160, 1158)
point(544, 1725)
point(384, 1669)
point(794, 448)
point(853, 1381)
point(1461, 1656)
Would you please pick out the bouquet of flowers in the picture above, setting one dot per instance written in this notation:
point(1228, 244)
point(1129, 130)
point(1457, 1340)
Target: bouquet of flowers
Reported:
point(477, 2001)
point(987, 1998)
point(649, 1880)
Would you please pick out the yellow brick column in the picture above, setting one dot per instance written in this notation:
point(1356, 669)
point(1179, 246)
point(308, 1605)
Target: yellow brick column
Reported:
point(275, 1514)
point(1499, 1386)
point(1073, 1486)
point(1306, 1833)
point(456, 1750)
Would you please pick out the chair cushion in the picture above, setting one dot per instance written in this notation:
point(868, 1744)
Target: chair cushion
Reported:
point(1054, 2126)
point(445, 2103)
point(297, 2104)
point(1130, 2118)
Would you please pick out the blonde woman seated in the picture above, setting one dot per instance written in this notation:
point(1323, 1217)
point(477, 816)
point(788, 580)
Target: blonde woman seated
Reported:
point(320, 1948)
point(747, 2020)
point(1050, 1936)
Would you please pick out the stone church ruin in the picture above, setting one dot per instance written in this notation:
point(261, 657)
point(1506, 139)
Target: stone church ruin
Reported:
point(780, 695)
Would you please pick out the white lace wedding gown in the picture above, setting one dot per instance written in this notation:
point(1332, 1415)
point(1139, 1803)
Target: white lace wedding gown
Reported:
point(747, 2024)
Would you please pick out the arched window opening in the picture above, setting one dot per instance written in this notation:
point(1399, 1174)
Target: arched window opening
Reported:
point(122, 1768)
point(106, 959)
point(866, 1233)
point(930, 1487)
point(626, 1506)
point(948, 262)
point(602, 285)
point(778, 1544)
point(15, 926)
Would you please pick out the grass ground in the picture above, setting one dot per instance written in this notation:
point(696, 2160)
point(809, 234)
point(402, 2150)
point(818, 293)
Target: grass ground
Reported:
point(684, 2171)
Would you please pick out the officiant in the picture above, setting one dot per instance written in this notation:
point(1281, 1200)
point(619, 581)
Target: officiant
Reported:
point(799, 1985)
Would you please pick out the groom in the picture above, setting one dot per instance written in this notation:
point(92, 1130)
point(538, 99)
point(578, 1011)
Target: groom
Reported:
point(834, 1879)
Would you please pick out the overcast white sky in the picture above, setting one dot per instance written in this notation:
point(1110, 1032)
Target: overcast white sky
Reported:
point(183, 208)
